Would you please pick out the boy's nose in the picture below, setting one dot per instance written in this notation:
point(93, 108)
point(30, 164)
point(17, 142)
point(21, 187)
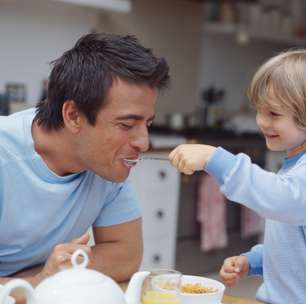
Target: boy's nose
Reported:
point(261, 121)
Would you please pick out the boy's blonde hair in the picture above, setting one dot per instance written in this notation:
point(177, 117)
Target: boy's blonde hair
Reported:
point(282, 81)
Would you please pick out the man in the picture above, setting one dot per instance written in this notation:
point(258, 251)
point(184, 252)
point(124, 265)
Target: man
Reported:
point(64, 165)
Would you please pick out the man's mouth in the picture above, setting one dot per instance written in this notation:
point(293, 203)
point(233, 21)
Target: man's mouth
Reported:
point(130, 162)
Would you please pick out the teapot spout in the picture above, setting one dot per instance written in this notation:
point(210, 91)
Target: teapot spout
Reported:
point(133, 292)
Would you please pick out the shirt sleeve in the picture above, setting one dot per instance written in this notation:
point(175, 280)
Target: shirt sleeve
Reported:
point(255, 260)
point(270, 195)
point(121, 206)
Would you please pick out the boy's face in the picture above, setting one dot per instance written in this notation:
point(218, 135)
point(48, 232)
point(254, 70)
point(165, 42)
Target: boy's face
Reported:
point(120, 133)
point(279, 129)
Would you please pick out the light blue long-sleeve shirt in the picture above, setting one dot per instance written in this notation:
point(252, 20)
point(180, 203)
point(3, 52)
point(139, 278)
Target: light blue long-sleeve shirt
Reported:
point(281, 199)
point(255, 260)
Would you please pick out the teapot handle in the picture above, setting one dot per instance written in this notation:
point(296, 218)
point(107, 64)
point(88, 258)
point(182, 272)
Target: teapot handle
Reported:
point(17, 283)
point(133, 292)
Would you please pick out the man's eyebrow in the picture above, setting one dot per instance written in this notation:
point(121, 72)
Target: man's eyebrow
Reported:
point(134, 117)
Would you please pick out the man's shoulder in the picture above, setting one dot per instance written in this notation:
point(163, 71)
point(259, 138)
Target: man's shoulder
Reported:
point(15, 121)
point(15, 131)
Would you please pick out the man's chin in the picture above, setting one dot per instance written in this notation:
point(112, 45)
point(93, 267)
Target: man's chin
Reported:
point(115, 178)
point(119, 179)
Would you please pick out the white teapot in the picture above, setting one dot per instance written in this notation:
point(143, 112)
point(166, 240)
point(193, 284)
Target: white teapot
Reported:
point(78, 285)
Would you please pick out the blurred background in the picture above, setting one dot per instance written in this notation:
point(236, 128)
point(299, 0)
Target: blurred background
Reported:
point(213, 48)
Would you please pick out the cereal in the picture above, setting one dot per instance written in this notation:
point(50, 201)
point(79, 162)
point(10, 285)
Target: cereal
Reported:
point(197, 288)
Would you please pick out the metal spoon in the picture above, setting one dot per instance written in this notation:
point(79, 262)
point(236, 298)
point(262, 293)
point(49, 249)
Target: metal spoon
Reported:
point(154, 158)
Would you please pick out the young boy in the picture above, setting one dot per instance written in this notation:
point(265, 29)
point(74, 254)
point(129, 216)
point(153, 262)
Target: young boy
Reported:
point(278, 93)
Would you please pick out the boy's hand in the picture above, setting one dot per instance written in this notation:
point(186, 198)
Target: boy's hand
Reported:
point(189, 158)
point(234, 269)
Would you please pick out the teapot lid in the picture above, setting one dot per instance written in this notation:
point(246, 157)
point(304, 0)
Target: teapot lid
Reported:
point(78, 275)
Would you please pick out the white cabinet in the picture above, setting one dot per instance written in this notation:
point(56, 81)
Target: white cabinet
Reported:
point(156, 183)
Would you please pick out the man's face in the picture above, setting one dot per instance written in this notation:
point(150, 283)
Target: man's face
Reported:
point(120, 133)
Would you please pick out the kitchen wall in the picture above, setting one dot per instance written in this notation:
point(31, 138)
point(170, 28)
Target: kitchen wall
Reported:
point(173, 29)
point(34, 32)
point(228, 65)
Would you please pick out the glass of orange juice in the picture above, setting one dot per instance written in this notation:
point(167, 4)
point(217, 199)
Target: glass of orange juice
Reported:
point(162, 286)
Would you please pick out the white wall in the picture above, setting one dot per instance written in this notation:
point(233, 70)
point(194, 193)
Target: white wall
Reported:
point(173, 29)
point(34, 32)
point(228, 65)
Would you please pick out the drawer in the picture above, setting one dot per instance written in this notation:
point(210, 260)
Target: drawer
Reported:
point(159, 221)
point(158, 253)
point(152, 176)
point(158, 196)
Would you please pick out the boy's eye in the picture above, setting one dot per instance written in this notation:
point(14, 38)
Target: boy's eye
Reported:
point(274, 114)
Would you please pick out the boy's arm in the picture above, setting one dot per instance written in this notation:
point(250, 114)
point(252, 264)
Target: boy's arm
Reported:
point(269, 194)
point(255, 260)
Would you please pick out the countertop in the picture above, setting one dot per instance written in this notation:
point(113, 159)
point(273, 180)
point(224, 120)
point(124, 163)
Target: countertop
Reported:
point(211, 136)
point(204, 133)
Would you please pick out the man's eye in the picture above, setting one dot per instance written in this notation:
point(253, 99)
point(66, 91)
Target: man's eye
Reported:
point(126, 126)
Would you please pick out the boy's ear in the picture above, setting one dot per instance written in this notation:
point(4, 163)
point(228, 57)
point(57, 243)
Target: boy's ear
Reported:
point(71, 116)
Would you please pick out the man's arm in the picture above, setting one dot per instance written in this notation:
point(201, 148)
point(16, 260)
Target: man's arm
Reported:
point(118, 249)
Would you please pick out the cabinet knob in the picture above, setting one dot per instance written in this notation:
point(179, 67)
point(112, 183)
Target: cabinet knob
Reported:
point(156, 258)
point(160, 214)
point(162, 174)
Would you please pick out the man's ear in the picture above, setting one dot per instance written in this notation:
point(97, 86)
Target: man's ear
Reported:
point(71, 116)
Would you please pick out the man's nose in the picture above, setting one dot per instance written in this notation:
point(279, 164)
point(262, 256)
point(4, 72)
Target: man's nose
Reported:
point(141, 141)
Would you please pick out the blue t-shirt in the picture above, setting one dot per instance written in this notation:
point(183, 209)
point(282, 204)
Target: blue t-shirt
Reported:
point(39, 209)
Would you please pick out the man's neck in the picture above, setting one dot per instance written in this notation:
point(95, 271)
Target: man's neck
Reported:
point(56, 150)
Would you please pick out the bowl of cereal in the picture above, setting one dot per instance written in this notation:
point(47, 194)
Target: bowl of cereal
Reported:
point(200, 290)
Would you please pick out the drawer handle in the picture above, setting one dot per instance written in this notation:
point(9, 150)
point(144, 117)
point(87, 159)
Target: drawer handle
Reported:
point(156, 258)
point(160, 214)
point(162, 174)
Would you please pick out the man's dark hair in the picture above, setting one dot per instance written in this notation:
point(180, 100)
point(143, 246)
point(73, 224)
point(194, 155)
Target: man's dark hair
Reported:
point(86, 72)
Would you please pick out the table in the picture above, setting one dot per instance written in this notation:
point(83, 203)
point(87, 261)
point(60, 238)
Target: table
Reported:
point(237, 300)
point(227, 299)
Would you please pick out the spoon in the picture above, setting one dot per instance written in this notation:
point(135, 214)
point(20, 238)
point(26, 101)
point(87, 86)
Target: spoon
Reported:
point(154, 158)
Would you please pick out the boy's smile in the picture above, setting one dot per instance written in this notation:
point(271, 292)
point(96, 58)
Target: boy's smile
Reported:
point(279, 129)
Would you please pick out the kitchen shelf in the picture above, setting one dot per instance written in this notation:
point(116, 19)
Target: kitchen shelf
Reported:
point(233, 29)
